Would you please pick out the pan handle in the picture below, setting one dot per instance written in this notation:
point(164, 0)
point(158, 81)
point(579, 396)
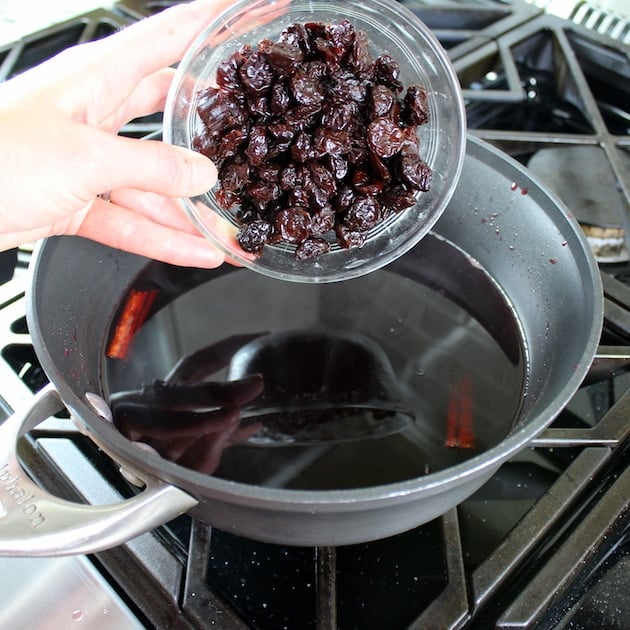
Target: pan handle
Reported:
point(34, 522)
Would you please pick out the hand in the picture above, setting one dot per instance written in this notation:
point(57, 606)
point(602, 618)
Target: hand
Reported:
point(186, 418)
point(60, 148)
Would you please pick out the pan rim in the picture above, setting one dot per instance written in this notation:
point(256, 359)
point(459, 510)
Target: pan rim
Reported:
point(315, 501)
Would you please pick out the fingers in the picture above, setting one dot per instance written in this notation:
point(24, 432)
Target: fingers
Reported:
point(146, 165)
point(208, 360)
point(147, 97)
point(160, 40)
point(155, 230)
point(121, 228)
point(229, 393)
point(138, 421)
point(158, 208)
point(204, 455)
point(243, 432)
point(109, 69)
point(196, 396)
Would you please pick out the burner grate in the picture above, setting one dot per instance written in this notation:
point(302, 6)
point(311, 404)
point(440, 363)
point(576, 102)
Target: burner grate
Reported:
point(554, 96)
point(531, 547)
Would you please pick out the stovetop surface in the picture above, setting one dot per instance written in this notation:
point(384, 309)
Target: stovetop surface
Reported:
point(544, 544)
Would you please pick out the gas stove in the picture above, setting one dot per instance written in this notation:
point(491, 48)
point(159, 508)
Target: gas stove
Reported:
point(544, 544)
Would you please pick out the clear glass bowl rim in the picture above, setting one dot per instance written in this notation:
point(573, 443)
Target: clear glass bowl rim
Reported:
point(355, 262)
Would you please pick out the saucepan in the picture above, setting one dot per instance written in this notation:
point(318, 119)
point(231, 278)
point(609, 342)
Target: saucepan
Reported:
point(437, 369)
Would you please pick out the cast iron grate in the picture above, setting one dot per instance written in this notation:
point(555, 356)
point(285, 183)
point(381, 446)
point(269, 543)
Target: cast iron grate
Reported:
point(559, 505)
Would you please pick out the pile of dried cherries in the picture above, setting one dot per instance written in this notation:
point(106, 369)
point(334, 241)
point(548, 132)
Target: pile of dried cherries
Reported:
point(314, 139)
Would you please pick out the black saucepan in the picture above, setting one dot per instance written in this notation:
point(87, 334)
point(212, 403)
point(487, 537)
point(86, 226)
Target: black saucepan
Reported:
point(409, 387)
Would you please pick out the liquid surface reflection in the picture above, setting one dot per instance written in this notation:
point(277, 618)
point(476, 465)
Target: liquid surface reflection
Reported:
point(376, 380)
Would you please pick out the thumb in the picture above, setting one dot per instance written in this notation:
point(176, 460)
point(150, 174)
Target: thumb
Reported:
point(152, 165)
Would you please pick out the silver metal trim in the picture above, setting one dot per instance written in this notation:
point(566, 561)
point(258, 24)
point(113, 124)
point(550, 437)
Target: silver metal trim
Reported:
point(34, 522)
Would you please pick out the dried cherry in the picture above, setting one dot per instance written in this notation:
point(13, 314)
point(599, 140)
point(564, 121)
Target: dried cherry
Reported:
point(313, 139)
point(293, 225)
point(312, 247)
point(253, 236)
point(384, 137)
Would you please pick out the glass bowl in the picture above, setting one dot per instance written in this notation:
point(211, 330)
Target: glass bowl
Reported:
point(390, 28)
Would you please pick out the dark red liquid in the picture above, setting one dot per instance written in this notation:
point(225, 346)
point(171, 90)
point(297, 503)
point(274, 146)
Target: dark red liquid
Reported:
point(448, 333)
